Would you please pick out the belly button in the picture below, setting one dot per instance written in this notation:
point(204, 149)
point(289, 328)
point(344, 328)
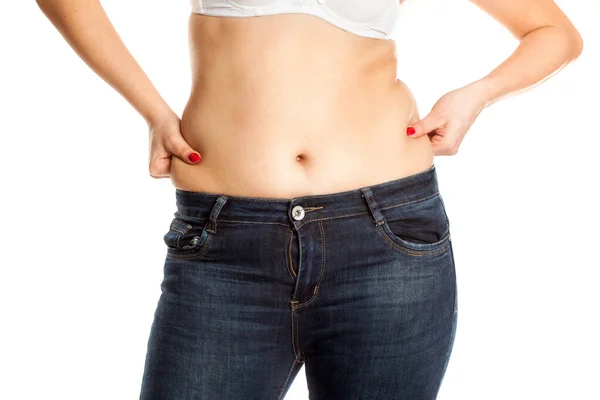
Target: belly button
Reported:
point(299, 158)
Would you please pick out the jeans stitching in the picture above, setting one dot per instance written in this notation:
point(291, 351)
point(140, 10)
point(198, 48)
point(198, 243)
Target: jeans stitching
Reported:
point(235, 221)
point(410, 201)
point(295, 344)
point(299, 357)
point(334, 217)
point(295, 335)
point(289, 260)
point(194, 255)
point(454, 325)
point(316, 290)
point(180, 230)
point(286, 380)
point(421, 253)
point(307, 209)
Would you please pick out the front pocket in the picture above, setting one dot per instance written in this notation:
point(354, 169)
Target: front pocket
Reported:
point(420, 228)
point(186, 238)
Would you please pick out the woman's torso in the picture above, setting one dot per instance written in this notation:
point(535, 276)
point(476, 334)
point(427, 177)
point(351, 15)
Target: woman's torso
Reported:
point(289, 105)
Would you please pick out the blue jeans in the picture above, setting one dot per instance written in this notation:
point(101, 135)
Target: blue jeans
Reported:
point(359, 286)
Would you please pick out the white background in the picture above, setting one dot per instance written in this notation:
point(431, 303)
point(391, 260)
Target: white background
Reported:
point(82, 220)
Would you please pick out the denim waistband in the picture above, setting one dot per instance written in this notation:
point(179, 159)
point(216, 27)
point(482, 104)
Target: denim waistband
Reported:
point(300, 210)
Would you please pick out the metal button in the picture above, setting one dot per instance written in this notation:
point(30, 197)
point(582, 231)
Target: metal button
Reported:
point(298, 213)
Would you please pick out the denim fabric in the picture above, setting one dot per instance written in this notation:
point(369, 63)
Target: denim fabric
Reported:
point(358, 286)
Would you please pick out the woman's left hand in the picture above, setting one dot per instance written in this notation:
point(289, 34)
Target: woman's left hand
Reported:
point(449, 119)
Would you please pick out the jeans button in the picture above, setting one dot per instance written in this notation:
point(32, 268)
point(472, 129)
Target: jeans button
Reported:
point(298, 213)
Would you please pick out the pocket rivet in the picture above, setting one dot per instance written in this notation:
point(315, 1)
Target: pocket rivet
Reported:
point(193, 243)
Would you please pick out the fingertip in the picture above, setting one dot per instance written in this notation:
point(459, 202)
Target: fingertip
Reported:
point(194, 157)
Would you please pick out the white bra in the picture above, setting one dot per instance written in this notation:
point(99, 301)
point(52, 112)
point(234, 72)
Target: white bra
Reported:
point(369, 18)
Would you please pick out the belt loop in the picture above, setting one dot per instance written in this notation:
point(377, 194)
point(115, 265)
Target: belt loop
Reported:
point(378, 218)
point(211, 225)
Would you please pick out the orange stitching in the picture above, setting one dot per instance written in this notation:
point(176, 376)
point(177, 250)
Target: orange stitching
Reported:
point(411, 252)
point(316, 290)
point(233, 221)
point(313, 208)
point(291, 262)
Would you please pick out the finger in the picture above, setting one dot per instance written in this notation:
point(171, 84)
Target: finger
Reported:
point(159, 167)
point(437, 143)
point(441, 146)
point(430, 123)
point(179, 147)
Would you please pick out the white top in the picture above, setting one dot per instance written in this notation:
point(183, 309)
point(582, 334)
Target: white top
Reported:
point(369, 18)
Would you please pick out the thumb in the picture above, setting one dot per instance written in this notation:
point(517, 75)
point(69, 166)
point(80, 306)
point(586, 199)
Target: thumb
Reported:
point(183, 150)
point(423, 126)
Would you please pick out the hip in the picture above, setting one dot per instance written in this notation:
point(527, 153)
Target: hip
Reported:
point(392, 237)
point(363, 278)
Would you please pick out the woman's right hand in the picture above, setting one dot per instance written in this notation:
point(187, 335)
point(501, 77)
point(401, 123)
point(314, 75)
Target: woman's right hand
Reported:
point(166, 141)
point(86, 27)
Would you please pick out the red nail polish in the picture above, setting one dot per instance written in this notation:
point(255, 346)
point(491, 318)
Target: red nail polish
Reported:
point(194, 157)
point(410, 130)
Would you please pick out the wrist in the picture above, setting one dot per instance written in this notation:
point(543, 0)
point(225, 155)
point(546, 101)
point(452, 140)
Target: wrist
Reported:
point(158, 114)
point(484, 91)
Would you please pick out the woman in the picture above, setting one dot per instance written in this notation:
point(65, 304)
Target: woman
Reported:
point(309, 227)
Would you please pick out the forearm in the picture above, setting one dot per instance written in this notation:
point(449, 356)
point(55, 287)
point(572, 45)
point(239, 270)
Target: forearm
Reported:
point(540, 54)
point(87, 29)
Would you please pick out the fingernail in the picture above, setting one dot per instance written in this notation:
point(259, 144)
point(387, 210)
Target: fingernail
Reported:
point(410, 130)
point(194, 157)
